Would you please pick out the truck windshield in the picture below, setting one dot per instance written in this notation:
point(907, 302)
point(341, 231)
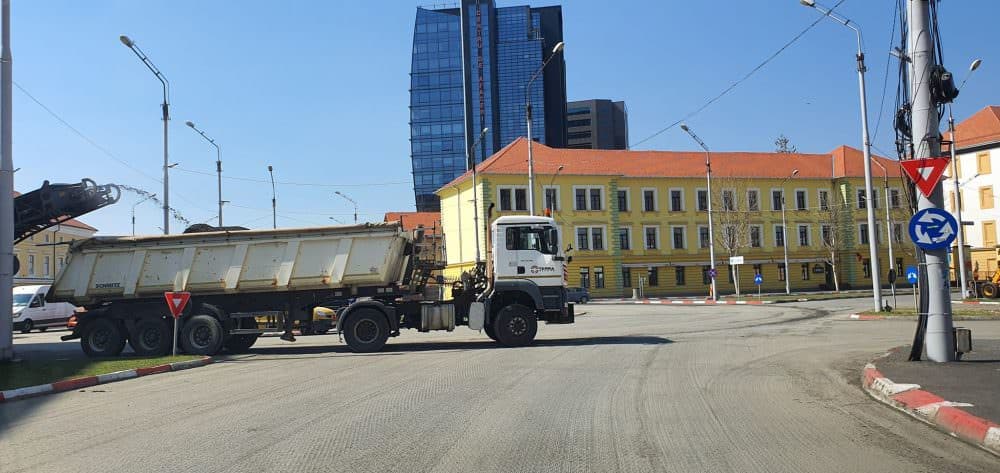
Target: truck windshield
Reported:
point(22, 299)
point(543, 239)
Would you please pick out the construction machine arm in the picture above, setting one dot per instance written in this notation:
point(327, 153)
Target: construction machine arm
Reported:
point(53, 204)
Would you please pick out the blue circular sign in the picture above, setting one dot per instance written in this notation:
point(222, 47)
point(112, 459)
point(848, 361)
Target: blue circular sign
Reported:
point(911, 274)
point(758, 280)
point(933, 229)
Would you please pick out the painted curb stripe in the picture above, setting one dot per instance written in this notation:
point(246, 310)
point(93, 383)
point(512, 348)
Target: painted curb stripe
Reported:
point(963, 424)
point(26, 391)
point(152, 370)
point(917, 398)
point(71, 384)
point(116, 376)
point(992, 439)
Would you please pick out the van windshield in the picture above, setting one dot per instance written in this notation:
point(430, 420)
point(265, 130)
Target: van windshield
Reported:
point(22, 299)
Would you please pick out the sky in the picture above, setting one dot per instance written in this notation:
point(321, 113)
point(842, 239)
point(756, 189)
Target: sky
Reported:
point(319, 90)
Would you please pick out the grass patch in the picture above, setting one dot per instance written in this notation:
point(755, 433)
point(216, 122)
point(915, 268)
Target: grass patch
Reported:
point(30, 373)
point(956, 313)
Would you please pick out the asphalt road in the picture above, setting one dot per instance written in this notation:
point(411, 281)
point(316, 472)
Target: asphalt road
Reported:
point(628, 388)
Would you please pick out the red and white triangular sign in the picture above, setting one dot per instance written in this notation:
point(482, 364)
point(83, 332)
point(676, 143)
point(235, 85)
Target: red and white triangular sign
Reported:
point(925, 173)
point(176, 302)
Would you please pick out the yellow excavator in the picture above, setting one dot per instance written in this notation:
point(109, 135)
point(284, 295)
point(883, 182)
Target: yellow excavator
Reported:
point(989, 289)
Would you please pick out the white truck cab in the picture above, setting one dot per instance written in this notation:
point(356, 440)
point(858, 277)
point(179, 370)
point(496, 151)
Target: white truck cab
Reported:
point(31, 311)
point(527, 258)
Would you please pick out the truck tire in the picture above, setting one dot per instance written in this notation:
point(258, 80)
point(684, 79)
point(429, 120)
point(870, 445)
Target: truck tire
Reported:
point(153, 337)
point(240, 343)
point(515, 325)
point(27, 325)
point(102, 338)
point(366, 330)
point(488, 328)
point(989, 290)
point(202, 335)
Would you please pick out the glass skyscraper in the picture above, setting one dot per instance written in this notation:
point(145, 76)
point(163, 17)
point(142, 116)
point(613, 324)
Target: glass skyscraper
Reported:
point(469, 71)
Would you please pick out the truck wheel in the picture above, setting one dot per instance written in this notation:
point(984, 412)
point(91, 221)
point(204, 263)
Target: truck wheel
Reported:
point(27, 325)
point(366, 330)
point(515, 325)
point(153, 337)
point(488, 328)
point(102, 338)
point(989, 290)
point(202, 335)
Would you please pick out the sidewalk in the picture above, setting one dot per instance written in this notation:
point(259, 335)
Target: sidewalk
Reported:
point(961, 398)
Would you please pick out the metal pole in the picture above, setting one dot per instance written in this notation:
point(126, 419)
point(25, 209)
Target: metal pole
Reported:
point(274, 199)
point(218, 163)
point(174, 351)
point(958, 208)
point(924, 122)
point(6, 191)
point(527, 112)
point(708, 184)
point(888, 230)
point(784, 236)
point(352, 202)
point(475, 188)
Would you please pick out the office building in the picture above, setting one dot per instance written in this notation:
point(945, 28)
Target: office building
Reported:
point(596, 124)
point(469, 71)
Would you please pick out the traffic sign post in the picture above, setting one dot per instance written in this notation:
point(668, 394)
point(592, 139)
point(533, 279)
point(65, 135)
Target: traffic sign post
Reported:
point(912, 276)
point(176, 301)
point(758, 280)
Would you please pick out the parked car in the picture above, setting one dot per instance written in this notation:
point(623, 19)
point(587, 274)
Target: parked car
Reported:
point(31, 311)
point(578, 295)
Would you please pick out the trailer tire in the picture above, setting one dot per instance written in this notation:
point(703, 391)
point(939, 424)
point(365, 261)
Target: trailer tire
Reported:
point(153, 337)
point(241, 343)
point(989, 290)
point(202, 335)
point(515, 325)
point(102, 338)
point(366, 330)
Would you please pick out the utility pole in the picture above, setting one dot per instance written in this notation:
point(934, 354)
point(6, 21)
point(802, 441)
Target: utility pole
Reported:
point(6, 192)
point(927, 143)
point(274, 199)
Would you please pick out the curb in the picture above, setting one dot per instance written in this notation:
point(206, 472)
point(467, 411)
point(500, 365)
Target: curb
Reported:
point(977, 302)
point(931, 409)
point(865, 317)
point(679, 301)
point(80, 383)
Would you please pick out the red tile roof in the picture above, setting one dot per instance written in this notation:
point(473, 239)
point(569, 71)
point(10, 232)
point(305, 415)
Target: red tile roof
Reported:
point(512, 159)
point(431, 221)
point(71, 222)
point(981, 128)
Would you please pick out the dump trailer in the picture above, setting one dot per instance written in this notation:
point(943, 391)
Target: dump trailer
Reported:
point(246, 283)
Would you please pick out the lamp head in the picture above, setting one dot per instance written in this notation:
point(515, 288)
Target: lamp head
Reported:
point(795, 172)
point(685, 127)
point(485, 130)
point(560, 168)
point(269, 168)
point(975, 65)
point(189, 123)
point(126, 40)
point(808, 3)
point(558, 47)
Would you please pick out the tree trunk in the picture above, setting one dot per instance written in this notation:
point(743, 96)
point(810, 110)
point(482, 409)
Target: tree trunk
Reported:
point(833, 265)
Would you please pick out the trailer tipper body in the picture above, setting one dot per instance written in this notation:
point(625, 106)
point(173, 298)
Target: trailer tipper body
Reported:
point(245, 283)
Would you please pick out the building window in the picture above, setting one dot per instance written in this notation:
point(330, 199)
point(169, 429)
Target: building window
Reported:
point(728, 200)
point(46, 238)
point(649, 200)
point(597, 238)
point(626, 277)
point(595, 198)
point(779, 236)
point(753, 200)
point(803, 235)
point(897, 232)
point(678, 237)
point(777, 199)
point(702, 200)
point(654, 276)
point(862, 201)
point(781, 272)
point(899, 265)
point(866, 266)
point(755, 239)
point(624, 238)
point(582, 239)
point(679, 276)
point(61, 263)
point(513, 198)
point(703, 238)
point(895, 201)
point(826, 233)
point(983, 163)
point(805, 271)
point(585, 277)
point(758, 269)
point(824, 200)
point(706, 275)
point(47, 262)
point(652, 235)
point(581, 199)
point(989, 234)
point(863, 234)
point(676, 200)
point(590, 238)
point(31, 265)
point(552, 198)
point(598, 277)
point(623, 200)
point(801, 203)
point(986, 197)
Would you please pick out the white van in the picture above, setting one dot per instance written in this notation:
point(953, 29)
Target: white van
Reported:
point(31, 311)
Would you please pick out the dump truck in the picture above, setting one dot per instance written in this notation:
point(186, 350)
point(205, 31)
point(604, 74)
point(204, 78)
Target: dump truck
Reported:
point(246, 283)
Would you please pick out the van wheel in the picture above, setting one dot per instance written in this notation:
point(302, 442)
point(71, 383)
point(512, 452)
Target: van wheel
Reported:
point(584, 300)
point(153, 337)
point(202, 335)
point(42, 329)
point(366, 330)
point(102, 338)
point(515, 325)
point(27, 325)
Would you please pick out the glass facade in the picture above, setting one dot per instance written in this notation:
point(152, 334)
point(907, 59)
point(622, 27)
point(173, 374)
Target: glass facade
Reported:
point(469, 70)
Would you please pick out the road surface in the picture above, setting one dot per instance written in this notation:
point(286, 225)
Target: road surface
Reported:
point(628, 388)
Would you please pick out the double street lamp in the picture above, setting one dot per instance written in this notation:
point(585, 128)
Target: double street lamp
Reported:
point(527, 107)
point(958, 194)
point(133, 210)
point(866, 148)
point(218, 163)
point(711, 231)
point(784, 230)
point(166, 118)
point(352, 202)
point(274, 199)
point(471, 157)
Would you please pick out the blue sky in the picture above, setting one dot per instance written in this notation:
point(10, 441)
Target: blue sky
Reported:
point(318, 89)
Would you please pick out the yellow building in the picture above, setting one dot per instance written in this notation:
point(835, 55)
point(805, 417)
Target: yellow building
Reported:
point(43, 255)
point(638, 218)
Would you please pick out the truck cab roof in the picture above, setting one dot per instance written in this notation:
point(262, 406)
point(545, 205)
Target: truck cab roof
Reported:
point(30, 289)
point(523, 220)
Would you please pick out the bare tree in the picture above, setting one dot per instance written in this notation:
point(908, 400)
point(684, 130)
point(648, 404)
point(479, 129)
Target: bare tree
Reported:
point(734, 212)
point(784, 145)
point(835, 216)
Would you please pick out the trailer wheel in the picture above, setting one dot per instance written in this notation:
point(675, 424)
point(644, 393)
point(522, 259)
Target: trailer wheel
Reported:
point(240, 343)
point(153, 337)
point(366, 330)
point(515, 325)
point(102, 338)
point(202, 335)
point(989, 290)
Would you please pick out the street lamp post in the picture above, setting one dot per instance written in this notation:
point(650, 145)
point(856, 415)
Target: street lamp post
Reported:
point(551, 209)
point(166, 119)
point(711, 231)
point(866, 148)
point(352, 202)
point(888, 230)
point(958, 193)
point(133, 210)
point(471, 157)
point(218, 163)
point(274, 199)
point(784, 230)
point(527, 107)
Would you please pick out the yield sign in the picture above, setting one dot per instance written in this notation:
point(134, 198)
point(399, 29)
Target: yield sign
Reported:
point(925, 173)
point(176, 302)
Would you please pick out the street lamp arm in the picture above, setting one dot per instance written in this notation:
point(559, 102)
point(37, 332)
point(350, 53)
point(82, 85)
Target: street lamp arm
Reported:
point(152, 67)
